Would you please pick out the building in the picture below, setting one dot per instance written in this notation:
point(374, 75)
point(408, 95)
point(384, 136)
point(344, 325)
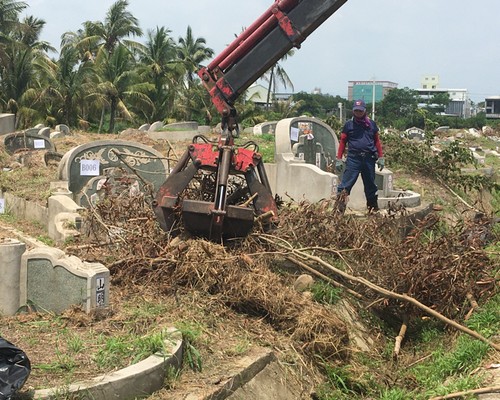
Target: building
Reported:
point(430, 82)
point(492, 107)
point(369, 90)
point(258, 94)
point(460, 105)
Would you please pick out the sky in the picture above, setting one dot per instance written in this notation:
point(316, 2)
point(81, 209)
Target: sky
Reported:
point(391, 40)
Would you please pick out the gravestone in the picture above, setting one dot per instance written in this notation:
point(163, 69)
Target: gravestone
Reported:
point(415, 133)
point(27, 141)
point(182, 126)
point(314, 142)
point(52, 281)
point(107, 158)
point(144, 127)
point(155, 126)
point(268, 127)
point(62, 128)
point(44, 131)
point(7, 123)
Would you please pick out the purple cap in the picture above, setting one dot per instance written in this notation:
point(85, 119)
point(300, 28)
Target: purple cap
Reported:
point(359, 105)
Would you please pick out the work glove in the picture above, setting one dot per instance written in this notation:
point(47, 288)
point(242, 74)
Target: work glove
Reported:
point(381, 163)
point(339, 166)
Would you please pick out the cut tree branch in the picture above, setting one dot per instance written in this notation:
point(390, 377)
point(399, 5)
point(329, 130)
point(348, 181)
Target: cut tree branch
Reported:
point(382, 291)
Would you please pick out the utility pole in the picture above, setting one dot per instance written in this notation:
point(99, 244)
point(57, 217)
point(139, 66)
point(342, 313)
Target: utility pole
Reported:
point(373, 99)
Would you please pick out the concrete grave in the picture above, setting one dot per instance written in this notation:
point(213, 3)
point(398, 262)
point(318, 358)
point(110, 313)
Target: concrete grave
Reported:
point(144, 127)
point(268, 127)
point(415, 133)
point(53, 281)
point(155, 126)
point(291, 176)
point(84, 163)
point(34, 131)
point(7, 123)
point(62, 128)
point(304, 156)
point(44, 131)
point(23, 140)
point(182, 126)
point(11, 251)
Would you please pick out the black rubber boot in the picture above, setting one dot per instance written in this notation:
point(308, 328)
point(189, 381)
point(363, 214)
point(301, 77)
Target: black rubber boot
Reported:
point(372, 204)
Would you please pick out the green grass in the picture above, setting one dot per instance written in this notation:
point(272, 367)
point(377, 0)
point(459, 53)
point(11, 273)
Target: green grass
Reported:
point(325, 293)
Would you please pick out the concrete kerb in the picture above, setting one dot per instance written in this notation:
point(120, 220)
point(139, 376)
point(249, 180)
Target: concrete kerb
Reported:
point(134, 381)
point(244, 371)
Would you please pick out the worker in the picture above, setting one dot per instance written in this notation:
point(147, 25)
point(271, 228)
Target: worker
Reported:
point(364, 151)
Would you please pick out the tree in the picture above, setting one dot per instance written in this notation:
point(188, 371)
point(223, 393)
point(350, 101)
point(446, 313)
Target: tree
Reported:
point(20, 49)
point(399, 109)
point(118, 25)
point(120, 81)
point(192, 52)
point(160, 66)
point(277, 73)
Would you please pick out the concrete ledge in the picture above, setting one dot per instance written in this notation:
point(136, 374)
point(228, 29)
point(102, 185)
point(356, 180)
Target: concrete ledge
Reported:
point(243, 372)
point(134, 381)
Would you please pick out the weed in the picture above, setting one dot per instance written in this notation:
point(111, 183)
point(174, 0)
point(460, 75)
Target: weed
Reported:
point(75, 343)
point(486, 320)
point(191, 332)
point(46, 240)
point(325, 293)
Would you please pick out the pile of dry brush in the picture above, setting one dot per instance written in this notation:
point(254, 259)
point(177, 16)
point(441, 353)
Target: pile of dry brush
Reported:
point(439, 265)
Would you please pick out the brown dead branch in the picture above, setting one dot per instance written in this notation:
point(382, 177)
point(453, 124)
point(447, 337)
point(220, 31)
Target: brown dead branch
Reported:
point(399, 338)
point(386, 293)
point(324, 277)
point(491, 389)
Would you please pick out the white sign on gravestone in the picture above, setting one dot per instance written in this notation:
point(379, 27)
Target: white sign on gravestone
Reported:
point(89, 167)
point(2, 206)
point(39, 144)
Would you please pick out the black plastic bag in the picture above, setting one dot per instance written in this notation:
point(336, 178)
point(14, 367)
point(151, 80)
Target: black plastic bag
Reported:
point(15, 367)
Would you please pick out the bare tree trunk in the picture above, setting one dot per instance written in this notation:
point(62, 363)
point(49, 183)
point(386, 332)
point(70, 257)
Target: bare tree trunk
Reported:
point(101, 121)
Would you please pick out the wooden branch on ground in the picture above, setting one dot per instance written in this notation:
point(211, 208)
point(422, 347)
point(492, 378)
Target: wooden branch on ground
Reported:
point(324, 277)
point(491, 389)
point(400, 337)
point(382, 291)
point(473, 304)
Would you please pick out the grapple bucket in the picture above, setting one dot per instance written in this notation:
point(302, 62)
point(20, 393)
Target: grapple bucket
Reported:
point(215, 212)
point(200, 218)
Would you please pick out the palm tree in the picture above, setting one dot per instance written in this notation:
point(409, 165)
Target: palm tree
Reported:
point(277, 73)
point(118, 24)
point(160, 66)
point(67, 81)
point(20, 50)
point(119, 81)
point(192, 52)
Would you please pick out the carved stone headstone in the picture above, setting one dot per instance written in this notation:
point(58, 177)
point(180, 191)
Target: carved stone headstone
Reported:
point(53, 281)
point(27, 141)
point(313, 141)
point(85, 165)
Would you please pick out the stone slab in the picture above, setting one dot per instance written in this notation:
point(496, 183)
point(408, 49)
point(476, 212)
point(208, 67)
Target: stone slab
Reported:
point(51, 281)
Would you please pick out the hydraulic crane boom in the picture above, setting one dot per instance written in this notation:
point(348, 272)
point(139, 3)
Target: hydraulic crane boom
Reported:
point(227, 209)
point(286, 24)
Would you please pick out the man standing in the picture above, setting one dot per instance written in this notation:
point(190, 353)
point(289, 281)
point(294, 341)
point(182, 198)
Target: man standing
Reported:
point(364, 150)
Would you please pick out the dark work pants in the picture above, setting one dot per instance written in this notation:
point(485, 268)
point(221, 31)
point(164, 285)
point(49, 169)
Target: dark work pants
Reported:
point(364, 164)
